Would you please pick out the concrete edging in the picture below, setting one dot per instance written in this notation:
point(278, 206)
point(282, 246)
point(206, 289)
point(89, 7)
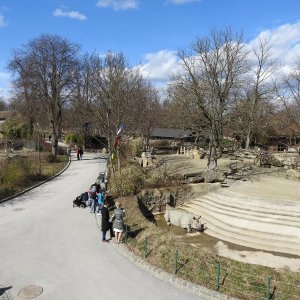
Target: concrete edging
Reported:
point(38, 184)
point(165, 276)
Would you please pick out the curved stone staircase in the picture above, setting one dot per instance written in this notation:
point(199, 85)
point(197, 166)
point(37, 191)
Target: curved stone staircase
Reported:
point(265, 222)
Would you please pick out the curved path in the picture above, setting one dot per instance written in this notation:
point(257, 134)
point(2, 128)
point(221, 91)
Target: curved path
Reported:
point(44, 241)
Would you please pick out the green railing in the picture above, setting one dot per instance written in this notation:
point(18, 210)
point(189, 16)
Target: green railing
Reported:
point(226, 280)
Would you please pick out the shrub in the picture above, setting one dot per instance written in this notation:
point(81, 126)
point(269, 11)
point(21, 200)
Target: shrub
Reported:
point(129, 182)
point(51, 158)
point(137, 147)
point(18, 171)
point(71, 138)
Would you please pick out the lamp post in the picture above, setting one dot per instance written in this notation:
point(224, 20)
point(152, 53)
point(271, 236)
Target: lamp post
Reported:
point(86, 124)
point(39, 154)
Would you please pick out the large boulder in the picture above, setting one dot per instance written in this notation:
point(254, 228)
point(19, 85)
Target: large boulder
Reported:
point(293, 174)
point(213, 176)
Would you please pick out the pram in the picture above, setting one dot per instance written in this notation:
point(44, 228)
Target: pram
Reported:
point(81, 200)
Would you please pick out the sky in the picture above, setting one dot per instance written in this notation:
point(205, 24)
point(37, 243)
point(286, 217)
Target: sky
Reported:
point(148, 32)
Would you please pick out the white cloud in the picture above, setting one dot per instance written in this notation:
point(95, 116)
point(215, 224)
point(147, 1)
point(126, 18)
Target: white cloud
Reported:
point(159, 66)
point(118, 4)
point(284, 40)
point(178, 2)
point(285, 45)
point(69, 14)
point(3, 22)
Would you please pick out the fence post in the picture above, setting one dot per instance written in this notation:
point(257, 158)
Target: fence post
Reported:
point(145, 248)
point(176, 262)
point(218, 268)
point(268, 288)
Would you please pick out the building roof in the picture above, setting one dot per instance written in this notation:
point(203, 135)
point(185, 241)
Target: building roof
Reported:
point(170, 133)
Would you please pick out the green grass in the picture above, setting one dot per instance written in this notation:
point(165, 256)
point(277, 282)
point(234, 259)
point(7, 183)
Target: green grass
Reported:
point(22, 172)
point(240, 280)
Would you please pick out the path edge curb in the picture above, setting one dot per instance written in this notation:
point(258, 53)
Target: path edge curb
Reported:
point(38, 184)
point(180, 283)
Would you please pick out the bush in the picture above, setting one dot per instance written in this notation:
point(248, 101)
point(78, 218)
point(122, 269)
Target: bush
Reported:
point(18, 171)
point(51, 158)
point(129, 182)
point(15, 128)
point(71, 138)
point(137, 147)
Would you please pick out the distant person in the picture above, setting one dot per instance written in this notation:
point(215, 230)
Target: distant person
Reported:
point(93, 197)
point(80, 152)
point(69, 151)
point(118, 222)
point(105, 224)
point(100, 200)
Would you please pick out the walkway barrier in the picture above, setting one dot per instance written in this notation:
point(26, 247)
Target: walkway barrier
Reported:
point(229, 280)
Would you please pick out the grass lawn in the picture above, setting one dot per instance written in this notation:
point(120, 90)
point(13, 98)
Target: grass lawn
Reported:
point(23, 171)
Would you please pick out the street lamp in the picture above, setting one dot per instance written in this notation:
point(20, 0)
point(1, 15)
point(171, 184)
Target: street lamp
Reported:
point(39, 154)
point(86, 125)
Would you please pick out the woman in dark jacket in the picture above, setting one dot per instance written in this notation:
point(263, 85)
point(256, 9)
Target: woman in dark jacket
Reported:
point(105, 224)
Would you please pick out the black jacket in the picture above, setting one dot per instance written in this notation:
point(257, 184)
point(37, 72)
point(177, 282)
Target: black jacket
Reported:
point(105, 225)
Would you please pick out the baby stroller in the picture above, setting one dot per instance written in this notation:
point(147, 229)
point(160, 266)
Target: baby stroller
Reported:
point(81, 200)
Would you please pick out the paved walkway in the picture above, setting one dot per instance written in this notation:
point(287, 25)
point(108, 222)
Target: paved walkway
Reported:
point(46, 242)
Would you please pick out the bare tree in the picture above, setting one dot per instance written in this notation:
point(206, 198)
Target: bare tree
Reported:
point(288, 92)
point(257, 92)
point(46, 70)
point(3, 104)
point(114, 94)
point(183, 112)
point(209, 75)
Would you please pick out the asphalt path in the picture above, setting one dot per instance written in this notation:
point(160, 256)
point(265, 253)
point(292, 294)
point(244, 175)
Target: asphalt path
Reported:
point(44, 241)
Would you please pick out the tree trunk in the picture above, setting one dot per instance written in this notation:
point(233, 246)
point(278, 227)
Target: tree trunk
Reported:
point(54, 142)
point(56, 127)
point(213, 147)
point(108, 133)
point(248, 135)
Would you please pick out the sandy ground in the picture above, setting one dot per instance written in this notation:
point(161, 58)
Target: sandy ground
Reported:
point(268, 183)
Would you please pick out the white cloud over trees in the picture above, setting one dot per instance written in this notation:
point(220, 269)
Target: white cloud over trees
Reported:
point(69, 14)
point(3, 21)
point(284, 40)
point(178, 2)
point(118, 4)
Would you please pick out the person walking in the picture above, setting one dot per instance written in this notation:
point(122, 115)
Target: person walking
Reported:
point(80, 153)
point(118, 222)
point(105, 224)
point(69, 151)
point(93, 197)
point(100, 199)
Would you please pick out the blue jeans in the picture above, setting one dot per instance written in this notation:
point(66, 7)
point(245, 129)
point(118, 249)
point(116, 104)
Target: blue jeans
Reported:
point(93, 206)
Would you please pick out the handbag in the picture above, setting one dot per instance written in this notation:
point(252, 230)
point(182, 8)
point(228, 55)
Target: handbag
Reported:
point(112, 218)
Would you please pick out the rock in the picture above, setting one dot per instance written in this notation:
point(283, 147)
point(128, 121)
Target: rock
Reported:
point(293, 174)
point(213, 176)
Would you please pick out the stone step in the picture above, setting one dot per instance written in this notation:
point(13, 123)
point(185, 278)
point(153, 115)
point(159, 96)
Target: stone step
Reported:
point(260, 199)
point(264, 241)
point(236, 212)
point(258, 245)
point(254, 229)
point(267, 206)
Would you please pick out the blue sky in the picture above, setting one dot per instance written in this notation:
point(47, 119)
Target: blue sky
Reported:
point(148, 32)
